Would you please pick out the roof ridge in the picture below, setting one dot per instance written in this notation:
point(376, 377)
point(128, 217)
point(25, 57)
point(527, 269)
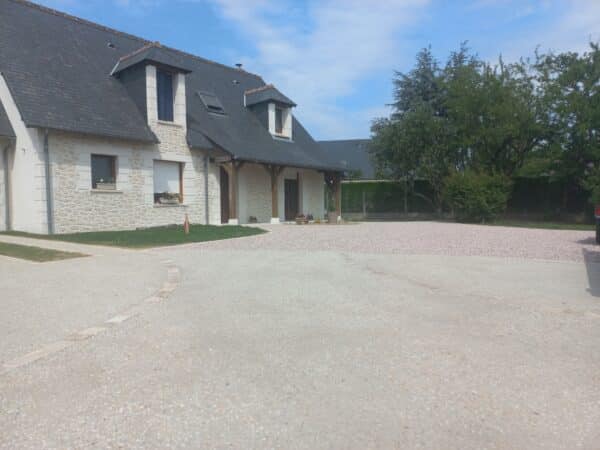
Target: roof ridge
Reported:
point(140, 50)
point(261, 88)
point(82, 21)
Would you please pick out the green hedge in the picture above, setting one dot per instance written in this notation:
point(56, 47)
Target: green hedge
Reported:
point(477, 197)
point(537, 199)
point(384, 197)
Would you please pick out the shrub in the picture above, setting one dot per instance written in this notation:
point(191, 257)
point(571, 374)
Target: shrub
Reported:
point(476, 197)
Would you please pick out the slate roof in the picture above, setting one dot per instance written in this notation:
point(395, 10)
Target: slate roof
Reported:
point(266, 93)
point(58, 70)
point(5, 127)
point(352, 154)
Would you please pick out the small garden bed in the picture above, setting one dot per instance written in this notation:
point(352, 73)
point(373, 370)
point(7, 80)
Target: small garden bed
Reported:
point(151, 237)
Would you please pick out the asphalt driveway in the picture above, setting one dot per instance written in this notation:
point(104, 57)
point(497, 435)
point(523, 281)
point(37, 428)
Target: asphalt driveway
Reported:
point(357, 336)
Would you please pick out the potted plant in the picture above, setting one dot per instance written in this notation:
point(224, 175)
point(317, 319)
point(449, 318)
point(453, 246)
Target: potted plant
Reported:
point(106, 185)
point(301, 219)
point(168, 198)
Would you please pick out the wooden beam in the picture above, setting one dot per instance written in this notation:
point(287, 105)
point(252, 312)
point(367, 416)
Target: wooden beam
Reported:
point(274, 171)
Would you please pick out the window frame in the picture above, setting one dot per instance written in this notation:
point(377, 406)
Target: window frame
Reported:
point(281, 111)
point(211, 102)
point(113, 168)
point(165, 113)
point(158, 195)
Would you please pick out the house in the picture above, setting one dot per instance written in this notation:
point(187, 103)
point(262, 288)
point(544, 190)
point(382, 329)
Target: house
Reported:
point(103, 130)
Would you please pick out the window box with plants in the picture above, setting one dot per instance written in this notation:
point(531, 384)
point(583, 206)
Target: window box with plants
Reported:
point(167, 198)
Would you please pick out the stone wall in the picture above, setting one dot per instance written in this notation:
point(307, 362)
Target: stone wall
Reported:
point(78, 207)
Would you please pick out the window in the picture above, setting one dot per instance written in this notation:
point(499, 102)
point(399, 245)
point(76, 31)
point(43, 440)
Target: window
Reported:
point(104, 172)
point(164, 94)
point(168, 182)
point(279, 120)
point(211, 102)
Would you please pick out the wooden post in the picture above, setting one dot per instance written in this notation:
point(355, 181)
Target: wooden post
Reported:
point(274, 172)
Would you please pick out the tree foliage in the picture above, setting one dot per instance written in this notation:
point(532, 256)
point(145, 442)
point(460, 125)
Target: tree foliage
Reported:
point(539, 119)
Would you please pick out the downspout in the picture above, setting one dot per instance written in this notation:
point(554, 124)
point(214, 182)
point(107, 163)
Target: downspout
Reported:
point(206, 160)
point(7, 218)
point(49, 194)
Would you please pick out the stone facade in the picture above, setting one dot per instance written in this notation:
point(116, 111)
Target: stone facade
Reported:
point(78, 207)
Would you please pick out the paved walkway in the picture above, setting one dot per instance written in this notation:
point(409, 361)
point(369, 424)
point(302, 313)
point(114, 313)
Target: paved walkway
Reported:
point(42, 303)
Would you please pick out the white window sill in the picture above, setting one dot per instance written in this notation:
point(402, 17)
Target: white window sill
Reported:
point(281, 137)
point(169, 124)
point(106, 191)
point(170, 205)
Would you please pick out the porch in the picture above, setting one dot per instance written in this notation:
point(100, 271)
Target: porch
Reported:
point(270, 193)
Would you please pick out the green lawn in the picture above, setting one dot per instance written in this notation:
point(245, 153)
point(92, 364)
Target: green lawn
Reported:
point(544, 225)
point(151, 237)
point(37, 254)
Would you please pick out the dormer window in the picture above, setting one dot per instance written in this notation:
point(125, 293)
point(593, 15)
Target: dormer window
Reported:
point(273, 109)
point(278, 120)
point(164, 94)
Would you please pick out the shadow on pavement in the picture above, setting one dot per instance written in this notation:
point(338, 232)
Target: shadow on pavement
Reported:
point(587, 241)
point(592, 264)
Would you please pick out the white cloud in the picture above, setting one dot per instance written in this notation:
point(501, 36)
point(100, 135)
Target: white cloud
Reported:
point(569, 26)
point(319, 54)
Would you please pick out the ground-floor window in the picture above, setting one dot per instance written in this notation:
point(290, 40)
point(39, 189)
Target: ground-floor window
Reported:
point(104, 172)
point(168, 182)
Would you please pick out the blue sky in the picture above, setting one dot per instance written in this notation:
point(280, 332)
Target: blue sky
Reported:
point(336, 58)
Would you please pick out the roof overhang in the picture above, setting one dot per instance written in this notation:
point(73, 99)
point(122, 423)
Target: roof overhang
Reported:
point(265, 94)
point(151, 54)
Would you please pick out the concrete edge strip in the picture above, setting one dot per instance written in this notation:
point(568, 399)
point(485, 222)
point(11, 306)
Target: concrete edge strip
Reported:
point(166, 289)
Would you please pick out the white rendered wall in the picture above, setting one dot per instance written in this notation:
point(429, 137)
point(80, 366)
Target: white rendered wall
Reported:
point(3, 144)
point(254, 193)
point(312, 193)
point(28, 180)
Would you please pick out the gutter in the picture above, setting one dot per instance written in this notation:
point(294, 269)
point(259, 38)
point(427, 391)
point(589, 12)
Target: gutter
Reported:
point(49, 192)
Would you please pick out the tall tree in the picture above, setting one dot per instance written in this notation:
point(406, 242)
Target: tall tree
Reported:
point(570, 88)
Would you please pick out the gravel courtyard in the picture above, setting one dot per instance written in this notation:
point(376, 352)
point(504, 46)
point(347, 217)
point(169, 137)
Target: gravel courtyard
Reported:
point(379, 335)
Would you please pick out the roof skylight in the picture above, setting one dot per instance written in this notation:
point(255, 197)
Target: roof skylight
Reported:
point(211, 102)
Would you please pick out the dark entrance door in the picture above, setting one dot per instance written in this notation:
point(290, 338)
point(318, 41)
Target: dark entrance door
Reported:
point(224, 196)
point(291, 199)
